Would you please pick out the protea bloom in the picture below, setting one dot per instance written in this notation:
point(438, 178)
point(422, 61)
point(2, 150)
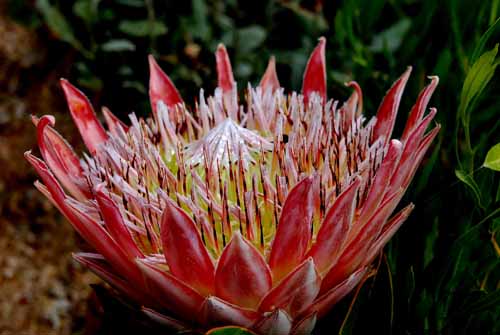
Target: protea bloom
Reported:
point(262, 214)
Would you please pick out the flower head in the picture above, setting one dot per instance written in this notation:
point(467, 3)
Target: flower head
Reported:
point(262, 213)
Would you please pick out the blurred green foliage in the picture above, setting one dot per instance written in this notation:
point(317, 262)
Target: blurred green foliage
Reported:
point(441, 272)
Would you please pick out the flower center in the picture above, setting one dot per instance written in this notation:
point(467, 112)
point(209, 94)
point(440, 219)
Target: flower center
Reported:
point(234, 176)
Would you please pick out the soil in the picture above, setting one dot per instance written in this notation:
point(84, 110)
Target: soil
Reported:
point(42, 290)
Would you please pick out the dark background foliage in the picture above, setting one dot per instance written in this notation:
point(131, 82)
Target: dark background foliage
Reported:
point(440, 274)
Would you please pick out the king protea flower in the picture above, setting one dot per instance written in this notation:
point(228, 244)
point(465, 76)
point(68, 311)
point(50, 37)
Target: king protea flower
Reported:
point(261, 214)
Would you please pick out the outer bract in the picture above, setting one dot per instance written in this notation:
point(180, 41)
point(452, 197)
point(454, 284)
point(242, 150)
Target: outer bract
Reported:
point(261, 214)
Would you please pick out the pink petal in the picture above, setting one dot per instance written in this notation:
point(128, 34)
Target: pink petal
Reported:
point(161, 87)
point(306, 325)
point(90, 230)
point(97, 264)
point(294, 230)
point(352, 107)
point(407, 160)
point(242, 276)
point(295, 292)
point(315, 73)
point(170, 292)
point(186, 255)
point(389, 230)
point(274, 323)
point(270, 78)
point(333, 231)
point(417, 112)
point(113, 122)
point(356, 251)
point(166, 321)
point(386, 114)
point(380, 183)
point(115, 225)
point(358, 92)
point(422, 149)
point(216, 311)
point(61, 158)
point(326, 301)
point(224, 70)
point(101, 240)
point(83, 114)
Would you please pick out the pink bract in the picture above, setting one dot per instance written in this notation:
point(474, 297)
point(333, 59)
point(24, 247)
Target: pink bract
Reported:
point(262, 213)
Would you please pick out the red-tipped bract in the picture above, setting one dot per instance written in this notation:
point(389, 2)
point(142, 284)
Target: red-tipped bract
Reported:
point(261, 214)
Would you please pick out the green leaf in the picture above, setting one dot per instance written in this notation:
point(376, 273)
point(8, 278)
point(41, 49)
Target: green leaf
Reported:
point(86, 10)
point(430, 243)
point(390, 39)
point(250, 38)
point(143, 28)
point(469, 181)
point(118, 45)
point(313, 23)
point(198, 23)
point(476, 80)
point(495, 225)
point(131, 3)
point(57, 23)
point(137, 85)
point(489, 301)
point(230, 330)
point(492, 160)
point(243, 69)
point(482, 42)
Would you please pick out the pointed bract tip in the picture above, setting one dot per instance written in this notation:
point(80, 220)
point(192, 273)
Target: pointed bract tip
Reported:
point(154, 68)
point(161, 88)
point(83, 115)
point(34, 119)
point(237, 237)
point(151, 60)
point(396, 143)
point(434, 79)
point(403, 79)
point(41, 123)
point(224, 70)
point(315, 73)
point(270, 78)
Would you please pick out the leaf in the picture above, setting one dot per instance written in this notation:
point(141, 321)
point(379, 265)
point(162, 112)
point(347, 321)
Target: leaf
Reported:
point(313, 23)
point(142, 28)
point(430, 243)
point(390, 39)
point(469, 181)
point(476, 80)
point(250, 38)
point(57, 23)
point(482, 42)
point(492, 160)
point(230, 330)
point(131, 3)
point(495, 225)
point(198, 23)
point(489, 301)
point(118, 45)
point(243, 69)
point(86, 10)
